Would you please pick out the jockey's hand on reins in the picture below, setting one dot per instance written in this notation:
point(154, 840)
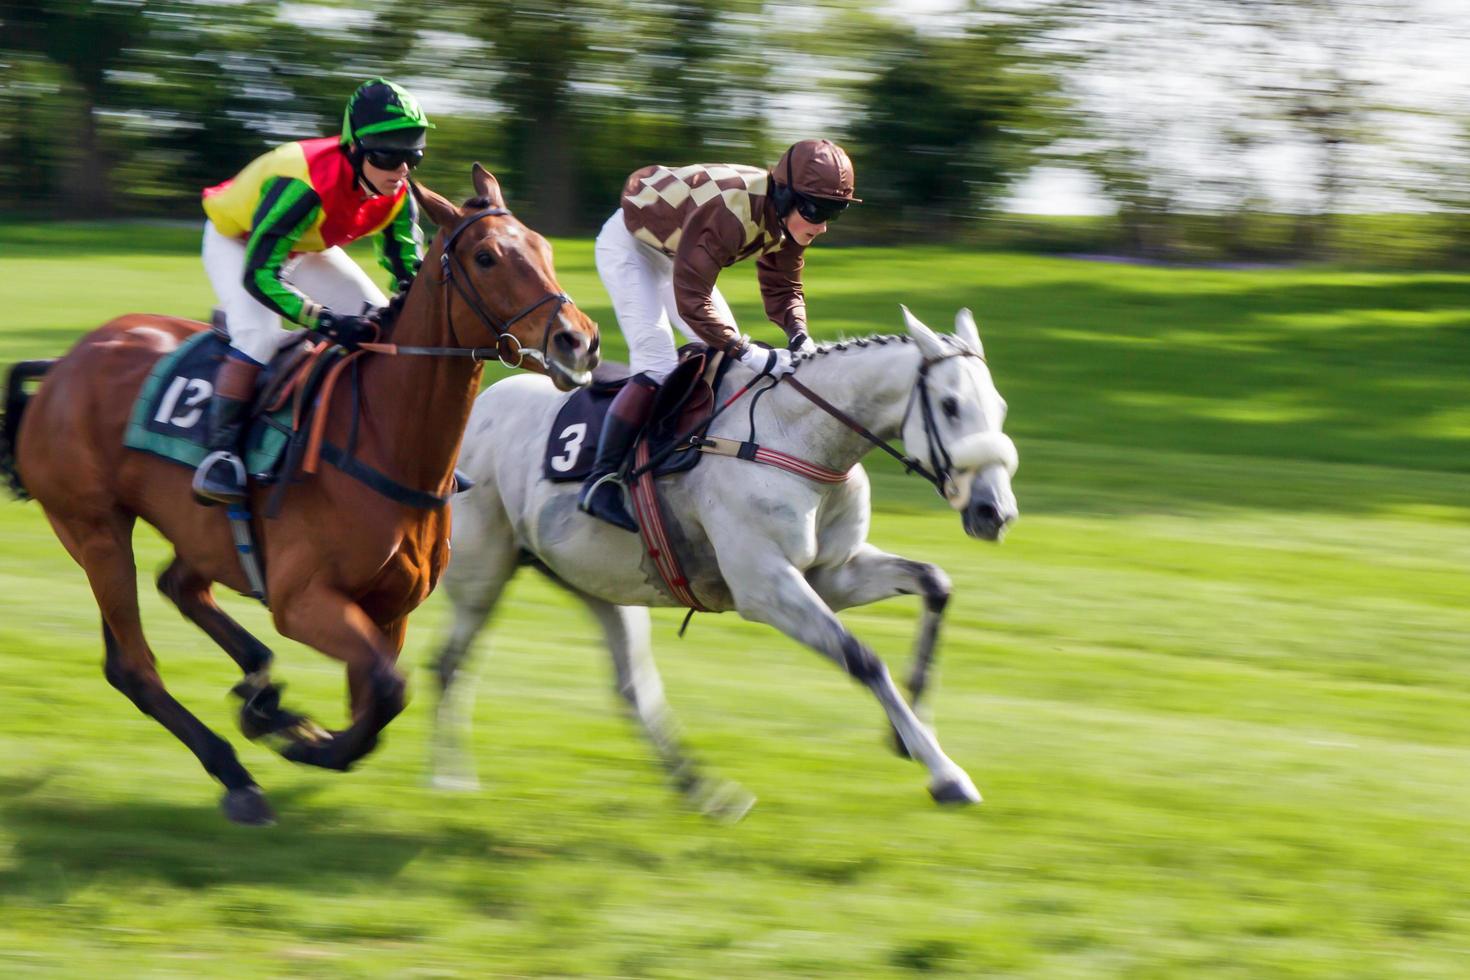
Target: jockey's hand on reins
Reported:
point(346, 330)
point(775, 361)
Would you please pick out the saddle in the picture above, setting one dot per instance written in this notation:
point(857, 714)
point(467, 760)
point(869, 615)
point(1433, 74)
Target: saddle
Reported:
point(686, 398)
point(169, 418)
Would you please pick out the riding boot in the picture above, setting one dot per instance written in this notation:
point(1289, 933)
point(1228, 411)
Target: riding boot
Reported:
point(602, 493)
point(220, 477)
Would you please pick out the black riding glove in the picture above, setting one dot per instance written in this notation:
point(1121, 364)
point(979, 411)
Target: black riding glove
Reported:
point(344, 330)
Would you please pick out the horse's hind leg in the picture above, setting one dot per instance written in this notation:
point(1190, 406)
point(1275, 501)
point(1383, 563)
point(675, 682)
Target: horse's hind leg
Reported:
point(104, 550)
point(871, 576)
point(261, 713)
point(628, 634)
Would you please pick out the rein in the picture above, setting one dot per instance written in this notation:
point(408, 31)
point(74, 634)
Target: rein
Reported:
point(940, 471)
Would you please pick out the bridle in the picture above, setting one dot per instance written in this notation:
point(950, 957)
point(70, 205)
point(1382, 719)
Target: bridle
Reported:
point(507, 348)
point(940, 471)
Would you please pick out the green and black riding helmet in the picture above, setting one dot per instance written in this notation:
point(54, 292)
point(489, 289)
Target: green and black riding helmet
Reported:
point(385, 124)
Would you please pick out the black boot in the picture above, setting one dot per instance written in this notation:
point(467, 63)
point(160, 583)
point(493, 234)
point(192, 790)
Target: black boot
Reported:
point(220, 478)
point(602, 493)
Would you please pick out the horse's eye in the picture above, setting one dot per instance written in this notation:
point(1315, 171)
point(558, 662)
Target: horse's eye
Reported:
point(951, 408)
point(484, 260)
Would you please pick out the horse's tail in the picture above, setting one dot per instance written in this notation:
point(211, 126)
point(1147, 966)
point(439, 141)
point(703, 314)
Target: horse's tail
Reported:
point(16, 397)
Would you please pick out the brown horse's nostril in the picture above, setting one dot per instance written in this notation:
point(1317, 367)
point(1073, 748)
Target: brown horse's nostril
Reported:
point(566, 341)
point(596, 345)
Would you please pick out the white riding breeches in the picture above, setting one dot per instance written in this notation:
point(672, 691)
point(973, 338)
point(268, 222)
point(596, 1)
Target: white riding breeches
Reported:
point(329, 278)
point(640, 280)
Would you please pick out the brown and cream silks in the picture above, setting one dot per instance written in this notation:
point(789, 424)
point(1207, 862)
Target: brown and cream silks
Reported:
point(710, 216)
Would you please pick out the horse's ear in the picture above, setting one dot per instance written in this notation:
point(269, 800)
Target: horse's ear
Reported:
point(439, 210)
point(928, 341)
point(487, 186)
point(965, 329)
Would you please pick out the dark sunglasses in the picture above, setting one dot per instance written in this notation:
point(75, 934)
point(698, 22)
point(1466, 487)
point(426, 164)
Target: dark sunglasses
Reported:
point(819, 210)
point(393, 159)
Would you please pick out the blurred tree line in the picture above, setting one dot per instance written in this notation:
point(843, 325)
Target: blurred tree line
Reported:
point(1172, 108)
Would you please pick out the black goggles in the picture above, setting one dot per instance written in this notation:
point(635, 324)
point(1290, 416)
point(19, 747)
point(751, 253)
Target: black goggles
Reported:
point(819, 210)
point(393, 159)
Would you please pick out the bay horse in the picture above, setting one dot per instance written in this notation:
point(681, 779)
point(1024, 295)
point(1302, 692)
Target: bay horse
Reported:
point(344, 564)
point(773, 544)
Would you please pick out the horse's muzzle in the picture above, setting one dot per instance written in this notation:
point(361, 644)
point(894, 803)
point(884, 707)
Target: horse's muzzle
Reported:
point(989, 511)
point(572, 354)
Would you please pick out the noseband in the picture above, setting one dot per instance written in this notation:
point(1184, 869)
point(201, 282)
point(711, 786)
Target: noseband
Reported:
point(507, 347)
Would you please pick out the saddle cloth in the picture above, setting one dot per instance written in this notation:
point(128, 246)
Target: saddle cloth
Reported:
point(686, 397)
point(171, 415)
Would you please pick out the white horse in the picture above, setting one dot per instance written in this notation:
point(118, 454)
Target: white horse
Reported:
point(769, 544)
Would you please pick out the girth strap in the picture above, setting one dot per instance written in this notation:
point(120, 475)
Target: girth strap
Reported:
point(381, 483)
point(655, 536)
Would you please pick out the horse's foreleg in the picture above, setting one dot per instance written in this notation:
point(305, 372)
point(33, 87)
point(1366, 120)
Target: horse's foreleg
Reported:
point(628, 634)
point(327, 620)
point(872, 575)
point(774, 592)
point(261, 713)
point(104, 550)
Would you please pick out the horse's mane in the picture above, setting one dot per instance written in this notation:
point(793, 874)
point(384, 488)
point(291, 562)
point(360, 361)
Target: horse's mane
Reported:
point(388, 315)
point(846, 344)
point(859, 343)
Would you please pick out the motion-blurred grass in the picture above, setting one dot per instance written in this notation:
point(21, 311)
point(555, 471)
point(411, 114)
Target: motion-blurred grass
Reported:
point(1214, 685)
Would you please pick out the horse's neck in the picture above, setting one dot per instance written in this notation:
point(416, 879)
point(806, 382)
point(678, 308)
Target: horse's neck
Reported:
point(871, 383)
point(414, 406)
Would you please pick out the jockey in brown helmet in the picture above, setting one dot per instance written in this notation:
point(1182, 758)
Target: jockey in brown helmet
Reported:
point(661, 252)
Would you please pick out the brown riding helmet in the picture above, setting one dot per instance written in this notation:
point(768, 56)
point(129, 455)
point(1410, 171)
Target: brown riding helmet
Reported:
point(817, 168)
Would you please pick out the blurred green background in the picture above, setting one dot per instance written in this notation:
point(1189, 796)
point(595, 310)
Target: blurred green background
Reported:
point(1225, 130)
point(1213, 685)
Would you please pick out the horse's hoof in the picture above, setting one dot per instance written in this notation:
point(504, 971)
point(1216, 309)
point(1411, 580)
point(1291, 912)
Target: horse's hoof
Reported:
point(725, 802)
point(957, 789)
point(324, 754)
point(247, 806)
point(455, 782)
point(261, 715)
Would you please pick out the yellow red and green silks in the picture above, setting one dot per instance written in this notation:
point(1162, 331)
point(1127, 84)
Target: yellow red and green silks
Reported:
point(305, 197)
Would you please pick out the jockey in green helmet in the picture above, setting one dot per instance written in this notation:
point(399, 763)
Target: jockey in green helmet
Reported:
point(272, 251)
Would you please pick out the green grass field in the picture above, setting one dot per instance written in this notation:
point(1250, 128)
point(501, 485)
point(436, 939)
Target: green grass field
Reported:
point(1214, 685)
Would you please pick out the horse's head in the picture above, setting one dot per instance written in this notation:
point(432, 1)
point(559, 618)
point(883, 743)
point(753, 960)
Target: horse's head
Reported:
point(954, 426)
point(501, 288)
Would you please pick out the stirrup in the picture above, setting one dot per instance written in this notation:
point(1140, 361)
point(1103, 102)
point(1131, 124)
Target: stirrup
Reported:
point(589, 494)
point(218, 493)
point(611, 476)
